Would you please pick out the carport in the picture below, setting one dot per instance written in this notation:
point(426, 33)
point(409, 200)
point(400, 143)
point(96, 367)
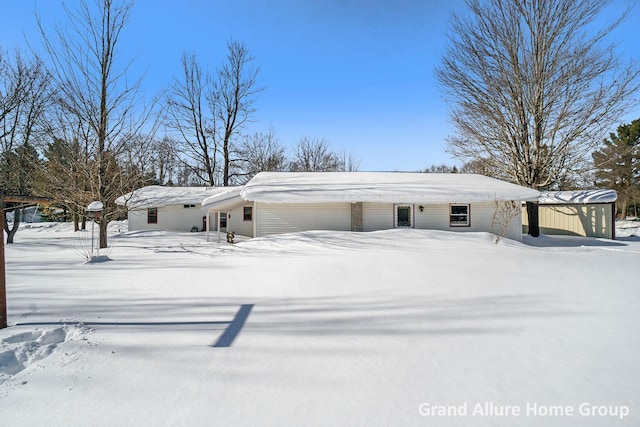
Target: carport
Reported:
point(589, 213)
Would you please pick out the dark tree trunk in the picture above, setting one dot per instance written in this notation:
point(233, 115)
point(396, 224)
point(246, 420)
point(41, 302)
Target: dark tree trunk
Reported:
point(14, 228)
point(532, 215)
point(103, 233)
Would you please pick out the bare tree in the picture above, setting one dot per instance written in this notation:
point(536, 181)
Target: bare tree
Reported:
point(208, 113)
point(506, 211)
point(64, 176)
point(233, 98)
point(315, 155)
point(139, 157)
point(24, 94)
point(350, 162)
point(262, 152)
point(166, 160)
point(191, 116)
point(533, 86)
point(96, 94)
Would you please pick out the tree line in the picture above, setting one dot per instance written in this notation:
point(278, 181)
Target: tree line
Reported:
point(533, 85)
point(75, 127)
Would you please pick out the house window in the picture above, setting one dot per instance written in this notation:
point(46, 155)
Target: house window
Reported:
point(459, 216)
point(404, 216)
point(189, 206)
point(223, 220)
point(248, 213)
point(152, 216)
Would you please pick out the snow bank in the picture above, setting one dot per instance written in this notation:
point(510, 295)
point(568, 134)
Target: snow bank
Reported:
point(627, 228)
point(21, 350)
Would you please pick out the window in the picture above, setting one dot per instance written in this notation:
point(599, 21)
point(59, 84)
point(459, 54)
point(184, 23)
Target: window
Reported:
point(404, 214)
point(459, 216)
point(189, 206)
point(223, 220)
point(248, 213)
point(152, 216)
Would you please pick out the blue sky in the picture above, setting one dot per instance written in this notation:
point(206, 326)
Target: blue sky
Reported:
point(359, 73)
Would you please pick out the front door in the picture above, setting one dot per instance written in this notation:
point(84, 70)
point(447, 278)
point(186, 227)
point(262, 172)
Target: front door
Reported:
point(404, 216)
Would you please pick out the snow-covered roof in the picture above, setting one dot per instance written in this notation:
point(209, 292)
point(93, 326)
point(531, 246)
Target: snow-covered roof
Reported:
point(578, 197)
point(382, 187)
point(155, 196)
point(223, 198)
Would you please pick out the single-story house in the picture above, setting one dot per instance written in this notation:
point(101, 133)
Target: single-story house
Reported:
point(590, 213)
point(284, 202)
point(157, 207)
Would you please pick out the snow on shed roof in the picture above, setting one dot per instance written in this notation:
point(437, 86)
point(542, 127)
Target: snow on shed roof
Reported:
point(383, 187)
point(578, 197)
point(155, 196)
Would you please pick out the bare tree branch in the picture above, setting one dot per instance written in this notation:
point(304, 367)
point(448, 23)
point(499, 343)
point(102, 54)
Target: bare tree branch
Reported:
point(533, 87)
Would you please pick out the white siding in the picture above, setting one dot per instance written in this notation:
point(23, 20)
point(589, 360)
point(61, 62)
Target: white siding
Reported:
point(236, 222)
point(377, 216)
point(290, 217)
point(434, 217)
point(174, 217)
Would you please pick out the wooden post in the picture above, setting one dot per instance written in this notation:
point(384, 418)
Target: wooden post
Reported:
point(208, 228)
point(532, 216)
point(3, 282)
point(218, 226)
point(613, 220)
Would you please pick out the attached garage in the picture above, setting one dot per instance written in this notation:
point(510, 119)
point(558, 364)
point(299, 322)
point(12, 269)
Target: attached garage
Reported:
point(589, 213)
point(278, 218)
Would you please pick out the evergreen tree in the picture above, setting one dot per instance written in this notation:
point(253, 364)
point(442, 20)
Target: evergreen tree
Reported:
point(617, 165)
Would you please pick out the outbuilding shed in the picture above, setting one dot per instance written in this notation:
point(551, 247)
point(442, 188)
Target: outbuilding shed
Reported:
point(589, 213)
point(284, 202)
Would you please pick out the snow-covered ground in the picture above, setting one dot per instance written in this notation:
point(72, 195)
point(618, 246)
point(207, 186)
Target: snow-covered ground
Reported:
point(395, 327)
point(627, 228)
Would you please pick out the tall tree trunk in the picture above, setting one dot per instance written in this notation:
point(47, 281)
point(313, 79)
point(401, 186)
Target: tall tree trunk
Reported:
point(623, 208)
point(103, 231)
